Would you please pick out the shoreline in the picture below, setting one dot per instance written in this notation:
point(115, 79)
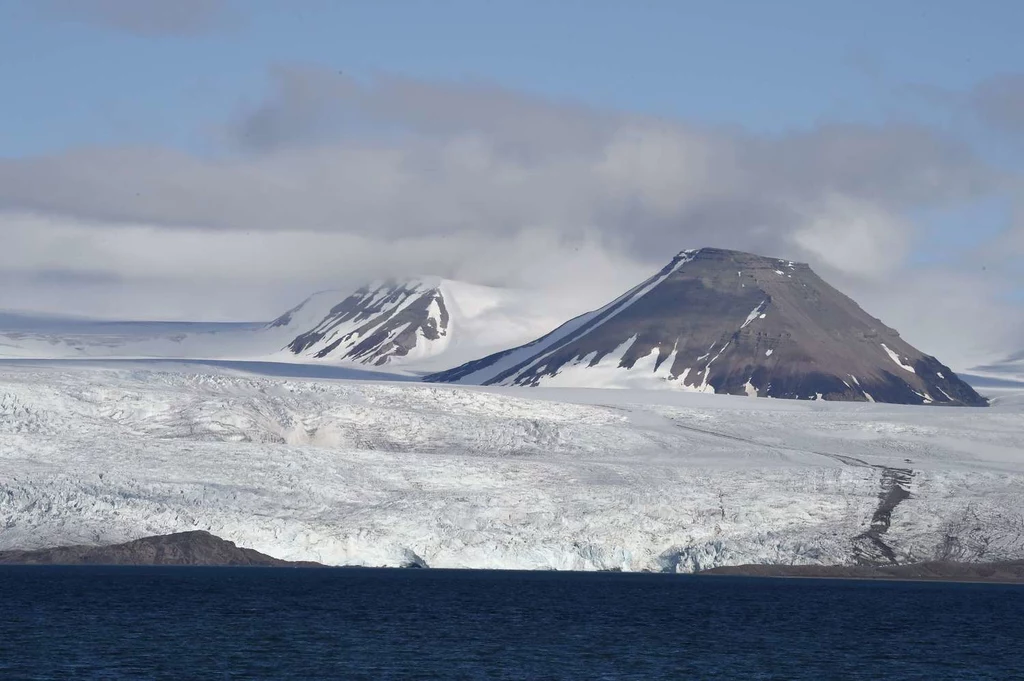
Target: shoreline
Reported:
point(918, 580)
point(199, 548)
point(593, 573)
point(1003, 572)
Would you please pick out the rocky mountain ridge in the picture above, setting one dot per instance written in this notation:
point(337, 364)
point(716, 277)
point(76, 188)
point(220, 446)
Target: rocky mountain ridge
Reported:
point(728, 322)
point(375, 325)
point(182, 548)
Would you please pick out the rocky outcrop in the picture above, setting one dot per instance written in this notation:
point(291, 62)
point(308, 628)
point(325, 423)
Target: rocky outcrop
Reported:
point(1011, 572)
point(735, 323)
point(183, 548)
point(376, 324)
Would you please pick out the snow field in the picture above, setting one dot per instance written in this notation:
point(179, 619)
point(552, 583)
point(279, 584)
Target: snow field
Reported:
point(370, 473)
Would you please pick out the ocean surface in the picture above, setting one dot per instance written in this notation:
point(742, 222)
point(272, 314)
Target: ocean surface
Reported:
point(253, 623)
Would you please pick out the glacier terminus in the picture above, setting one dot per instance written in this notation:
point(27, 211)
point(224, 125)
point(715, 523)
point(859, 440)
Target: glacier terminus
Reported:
point(388, 473)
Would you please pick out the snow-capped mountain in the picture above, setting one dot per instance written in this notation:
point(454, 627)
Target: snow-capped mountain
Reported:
point(419, 324)
point(408, 327)
point(729, 322)
point(375, 325)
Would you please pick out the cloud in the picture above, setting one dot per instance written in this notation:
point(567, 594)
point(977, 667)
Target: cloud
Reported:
point(315, 105)
point(145, 17)
point(959, 315)
point(996, 103)
point(330, 180)
point(855, 238)
point(1016, 232)
point(143, 271)
point(999, 102)
point(400, 158)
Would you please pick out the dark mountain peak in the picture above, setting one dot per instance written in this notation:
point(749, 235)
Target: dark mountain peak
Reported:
point(722, 321)
point(725, 255)
point(727, 260)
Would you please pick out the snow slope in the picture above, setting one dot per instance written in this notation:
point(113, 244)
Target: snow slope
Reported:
point(382, 328)
point(377, 473)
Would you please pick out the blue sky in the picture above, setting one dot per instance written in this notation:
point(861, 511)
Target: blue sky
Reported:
point(881, 141)
point(766, 66)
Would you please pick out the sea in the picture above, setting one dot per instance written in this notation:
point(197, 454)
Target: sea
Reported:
point(353, 623)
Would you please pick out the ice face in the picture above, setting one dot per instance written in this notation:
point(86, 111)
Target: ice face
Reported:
point(367, 473)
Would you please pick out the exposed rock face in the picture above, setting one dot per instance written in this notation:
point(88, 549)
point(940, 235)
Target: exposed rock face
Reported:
point(374, 325)
point(184, 548)
point(728, 322)
point(1008, 572)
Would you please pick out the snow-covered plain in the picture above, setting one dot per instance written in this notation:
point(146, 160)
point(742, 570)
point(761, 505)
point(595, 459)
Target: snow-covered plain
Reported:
point(384, 473)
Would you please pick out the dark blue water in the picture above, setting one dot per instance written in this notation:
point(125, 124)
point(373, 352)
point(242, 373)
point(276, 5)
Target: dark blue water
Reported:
point(184, 623)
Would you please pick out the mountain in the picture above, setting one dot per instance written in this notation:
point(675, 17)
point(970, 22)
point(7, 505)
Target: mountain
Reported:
point(375, 325)
point(418, 324)
point(729, 322)
point(400, 327)
point(196, 547)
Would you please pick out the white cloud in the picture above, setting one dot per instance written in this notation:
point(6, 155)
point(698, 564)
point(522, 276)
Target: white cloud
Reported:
point(144, 17)
point(667, 168)
point(959, 316)
point(999, 102)
point(331, 181)
point(150, 272)
point(855, 237)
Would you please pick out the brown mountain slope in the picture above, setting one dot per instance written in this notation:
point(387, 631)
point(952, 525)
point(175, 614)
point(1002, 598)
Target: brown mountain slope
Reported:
point(183, 548)
point(729, 322)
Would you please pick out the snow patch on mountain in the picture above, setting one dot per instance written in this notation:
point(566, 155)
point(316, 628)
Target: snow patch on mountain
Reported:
point(757, 313)
point(649, 372)
point(901, 364)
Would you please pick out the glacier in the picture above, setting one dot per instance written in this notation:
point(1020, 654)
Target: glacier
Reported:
point(372, 472)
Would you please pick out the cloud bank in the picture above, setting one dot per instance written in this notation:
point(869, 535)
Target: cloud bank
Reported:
point(144, 17)
point(330, 180)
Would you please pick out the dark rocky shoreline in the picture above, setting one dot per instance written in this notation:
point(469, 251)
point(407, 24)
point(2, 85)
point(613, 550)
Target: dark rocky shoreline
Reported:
point(198, 548)
point(1009, 572)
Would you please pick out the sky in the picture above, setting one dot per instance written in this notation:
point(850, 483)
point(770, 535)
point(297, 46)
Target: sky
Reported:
point(220, 159)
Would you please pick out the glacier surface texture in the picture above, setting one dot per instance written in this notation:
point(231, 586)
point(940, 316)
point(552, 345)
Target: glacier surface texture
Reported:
point(385, 473)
